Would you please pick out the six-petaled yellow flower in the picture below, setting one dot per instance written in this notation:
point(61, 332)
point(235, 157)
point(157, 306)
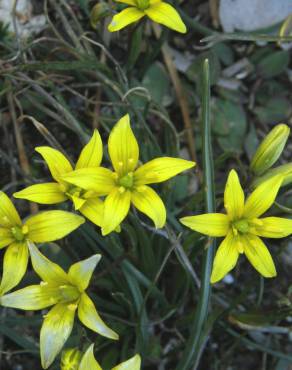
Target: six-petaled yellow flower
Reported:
point(88, 362)
point(129, 182)
point(157, 10)
point(86, 202)
point(242, 227)
point(64, 291)
point(14, 234)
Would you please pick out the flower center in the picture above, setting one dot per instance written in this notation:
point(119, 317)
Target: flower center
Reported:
point(19, 232)
point(127, 181)
point(142, 4)
point(69, 293)
point(75, 191)
point(241, 226)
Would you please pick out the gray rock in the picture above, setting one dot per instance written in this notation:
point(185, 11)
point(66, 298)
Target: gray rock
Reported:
point(250, 15)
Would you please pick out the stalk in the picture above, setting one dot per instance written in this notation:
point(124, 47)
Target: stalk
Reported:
point(193, 351)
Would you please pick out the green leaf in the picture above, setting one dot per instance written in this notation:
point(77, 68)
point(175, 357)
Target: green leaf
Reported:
point(229, 123)
point(274, 64)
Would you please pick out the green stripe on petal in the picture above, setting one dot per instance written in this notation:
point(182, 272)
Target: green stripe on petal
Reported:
point(259, 256)
point(48, 226)
point(91, 319)
point(124, 18)
point(212, 224)
point(262, 198)
point(80, 273)
point(55, 331)
point(88, 361)
point(167, 15)
point(225, 258)
point(274, 227)
point(47, 193)
point(14, 266)
point(146, 200)
point(160, 169)
point(91, 154)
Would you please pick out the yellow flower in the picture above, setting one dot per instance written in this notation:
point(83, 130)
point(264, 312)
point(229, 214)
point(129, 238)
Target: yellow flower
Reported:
point(157, 10)
point(66, 293)
point(15, 234)
point(88, 362)
point(86, 202)
point(128, 184)
point(242, 227)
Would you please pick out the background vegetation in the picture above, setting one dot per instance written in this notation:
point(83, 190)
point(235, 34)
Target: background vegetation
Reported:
point(71, 78)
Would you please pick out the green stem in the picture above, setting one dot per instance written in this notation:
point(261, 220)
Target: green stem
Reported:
point(193, 349)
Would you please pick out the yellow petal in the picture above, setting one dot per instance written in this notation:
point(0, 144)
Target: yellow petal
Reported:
point(8, 214)
point(88, 361)
point(166, 14)
point(80, 273)
point(47, 193)
point(133, 363)
point(58, 164)
point(93, 210)
point(261, 199)
point(47, 270)
point(91, 154)
point(48, 226)
point(274, 227)
point(14, 266)
point(116, 208)
point(149, 202)
point(160, 169)
point(124, 18)
point(259, 256)
point(233, 196)
point(123, 147)
point(77, 201)
point(6, 237)
point(33, 297)
point(212, 224)
point(100, 180)
point(55, 331)
point(225, 258)
point(91, 319)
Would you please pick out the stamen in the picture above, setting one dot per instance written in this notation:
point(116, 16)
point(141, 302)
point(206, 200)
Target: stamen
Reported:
point(120, 164)
point(72, 307)
point(122, 189)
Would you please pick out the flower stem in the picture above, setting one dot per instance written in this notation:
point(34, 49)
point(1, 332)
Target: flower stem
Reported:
point(193, 351)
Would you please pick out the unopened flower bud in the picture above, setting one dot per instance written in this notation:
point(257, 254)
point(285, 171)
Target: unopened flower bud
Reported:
point(270, 149)
point(98, 12)
point(285, 170)
point(70, 359)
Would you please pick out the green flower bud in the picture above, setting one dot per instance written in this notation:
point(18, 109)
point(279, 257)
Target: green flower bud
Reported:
point(70, 359)
point(98, 12)
point(285, 170)
point(270, 149)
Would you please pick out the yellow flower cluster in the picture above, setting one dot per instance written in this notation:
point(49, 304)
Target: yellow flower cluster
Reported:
point(104, 197)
